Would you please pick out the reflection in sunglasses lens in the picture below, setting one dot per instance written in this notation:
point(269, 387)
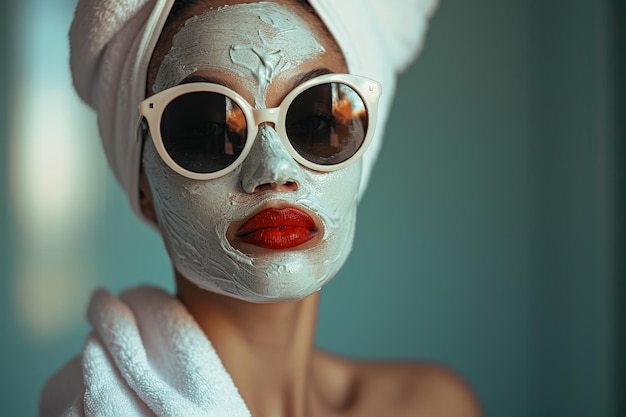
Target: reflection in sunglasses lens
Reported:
point(327, 123)
point(203, 131)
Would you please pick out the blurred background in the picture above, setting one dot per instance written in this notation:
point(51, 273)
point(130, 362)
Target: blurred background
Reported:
point(490, 239)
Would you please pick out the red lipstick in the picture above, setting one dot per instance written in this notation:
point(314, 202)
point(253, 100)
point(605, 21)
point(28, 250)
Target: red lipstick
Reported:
point(276, 228)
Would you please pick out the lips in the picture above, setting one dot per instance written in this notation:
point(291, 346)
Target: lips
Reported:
point(276, 228)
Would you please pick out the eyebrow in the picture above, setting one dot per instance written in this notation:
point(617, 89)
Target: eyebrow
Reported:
point(296, 81)
point(195, 78)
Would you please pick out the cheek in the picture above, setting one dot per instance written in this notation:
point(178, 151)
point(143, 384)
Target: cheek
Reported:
point(334, 196)
point(338, 190)
point(186, 208)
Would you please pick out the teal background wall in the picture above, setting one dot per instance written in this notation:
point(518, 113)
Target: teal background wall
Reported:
point(619, 54)
point(488, 239)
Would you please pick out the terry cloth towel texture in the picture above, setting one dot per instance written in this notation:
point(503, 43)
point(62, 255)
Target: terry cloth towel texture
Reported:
point(111, 42)
point(146, 357)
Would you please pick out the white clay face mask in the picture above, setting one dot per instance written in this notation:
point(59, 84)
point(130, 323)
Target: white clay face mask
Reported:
point(195, 216)
point(255, 42)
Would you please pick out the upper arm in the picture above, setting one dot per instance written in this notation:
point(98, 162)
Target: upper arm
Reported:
point(62, 394)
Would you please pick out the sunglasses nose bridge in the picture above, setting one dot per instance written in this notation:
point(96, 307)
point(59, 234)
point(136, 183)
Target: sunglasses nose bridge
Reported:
point(265, 116)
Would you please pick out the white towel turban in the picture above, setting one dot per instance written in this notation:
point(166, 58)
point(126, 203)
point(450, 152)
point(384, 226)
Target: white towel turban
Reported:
point(111, 42)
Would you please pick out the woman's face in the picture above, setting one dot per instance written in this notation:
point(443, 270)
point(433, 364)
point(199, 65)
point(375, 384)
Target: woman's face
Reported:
point(270, 230)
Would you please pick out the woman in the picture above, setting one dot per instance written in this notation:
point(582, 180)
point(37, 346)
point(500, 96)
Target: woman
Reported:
point(251, 169)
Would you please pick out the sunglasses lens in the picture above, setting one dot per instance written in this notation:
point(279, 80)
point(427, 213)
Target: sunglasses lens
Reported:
point(327, 123)
point(203, 132)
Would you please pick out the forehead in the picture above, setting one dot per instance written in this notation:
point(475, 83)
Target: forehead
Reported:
point(225, 23)
point(264, 31)
point(299, 8)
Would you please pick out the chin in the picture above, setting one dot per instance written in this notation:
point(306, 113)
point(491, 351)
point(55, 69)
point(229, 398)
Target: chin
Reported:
point(282, 276)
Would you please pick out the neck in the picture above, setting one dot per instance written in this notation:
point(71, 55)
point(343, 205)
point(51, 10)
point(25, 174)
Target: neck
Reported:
point(266, 348)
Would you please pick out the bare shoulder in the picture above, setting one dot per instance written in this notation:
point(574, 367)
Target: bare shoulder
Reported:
point(364, 388)
point(420, 389)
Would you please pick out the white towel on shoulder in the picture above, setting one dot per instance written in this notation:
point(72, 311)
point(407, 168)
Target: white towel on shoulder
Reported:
point(111, 42)
point(146, 357)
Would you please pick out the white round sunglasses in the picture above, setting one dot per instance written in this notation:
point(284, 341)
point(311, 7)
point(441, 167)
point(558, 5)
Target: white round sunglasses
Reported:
point(204, 131)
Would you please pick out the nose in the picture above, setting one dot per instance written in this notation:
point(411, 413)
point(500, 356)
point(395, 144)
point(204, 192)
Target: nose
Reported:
point(269, 166)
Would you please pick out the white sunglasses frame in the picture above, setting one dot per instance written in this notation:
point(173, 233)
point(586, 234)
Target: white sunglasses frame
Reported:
point(153, 107)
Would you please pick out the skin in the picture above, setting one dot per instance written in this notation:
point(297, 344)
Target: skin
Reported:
point(272, 48)
point(268, 349)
